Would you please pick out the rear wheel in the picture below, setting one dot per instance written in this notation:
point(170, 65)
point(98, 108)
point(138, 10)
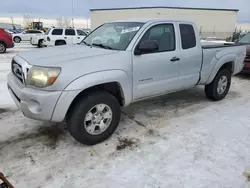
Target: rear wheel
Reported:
point(17, 39)
point(2, 48)
point(94, 118)
point(219, 87)
point(40, 43)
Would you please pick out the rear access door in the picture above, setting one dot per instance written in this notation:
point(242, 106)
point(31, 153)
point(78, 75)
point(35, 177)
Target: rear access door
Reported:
point(70, 35)
point(190, 54)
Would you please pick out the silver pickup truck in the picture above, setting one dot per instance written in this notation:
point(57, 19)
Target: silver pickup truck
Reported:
point(87, 84)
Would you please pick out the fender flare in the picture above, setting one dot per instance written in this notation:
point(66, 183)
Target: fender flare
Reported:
point(102, 77)
point(229, 58)
point(73, 89)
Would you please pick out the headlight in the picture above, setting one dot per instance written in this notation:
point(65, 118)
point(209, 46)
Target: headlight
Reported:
point(42, 76)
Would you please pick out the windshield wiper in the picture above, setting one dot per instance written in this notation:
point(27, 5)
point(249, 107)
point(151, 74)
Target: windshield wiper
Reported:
point(86, 43)
point(103, 46)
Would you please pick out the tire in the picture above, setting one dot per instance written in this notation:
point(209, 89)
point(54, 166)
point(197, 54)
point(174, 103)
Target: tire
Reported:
point(17, 39)
point(2, 48)
point(40, 42)
point(80, 127)
point(212, 91)
point(60, 42)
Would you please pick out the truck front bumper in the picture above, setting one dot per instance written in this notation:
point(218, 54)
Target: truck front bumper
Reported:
point(38, 104)
point(34, 104)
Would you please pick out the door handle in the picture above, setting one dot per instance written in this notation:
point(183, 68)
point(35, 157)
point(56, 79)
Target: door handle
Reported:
point(78, 37)
point(175, 59)
point(65, 37)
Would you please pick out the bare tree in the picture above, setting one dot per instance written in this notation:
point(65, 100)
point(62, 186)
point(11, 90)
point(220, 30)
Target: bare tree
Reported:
point(66, 22)
point(12, 22)
point(59, 21)
point(63, 22)
point(27, 20)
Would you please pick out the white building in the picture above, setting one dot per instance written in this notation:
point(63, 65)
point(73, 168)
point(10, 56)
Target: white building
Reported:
point(210, 22)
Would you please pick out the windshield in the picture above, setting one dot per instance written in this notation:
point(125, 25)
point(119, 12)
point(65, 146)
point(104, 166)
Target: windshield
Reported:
point(115, 35)
point(47, 32)
point(245, 39)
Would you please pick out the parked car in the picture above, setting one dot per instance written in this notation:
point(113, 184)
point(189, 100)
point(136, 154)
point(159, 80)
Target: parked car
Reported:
point(87, 84)
point(8, 31)
point(5, 41)
point(246, 40)
point(25, 35)
point(59, 36)
point(87, 31)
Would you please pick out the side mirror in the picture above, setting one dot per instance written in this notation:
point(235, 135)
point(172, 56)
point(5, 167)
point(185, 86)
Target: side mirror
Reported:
point(236, 41)
point(148, 46)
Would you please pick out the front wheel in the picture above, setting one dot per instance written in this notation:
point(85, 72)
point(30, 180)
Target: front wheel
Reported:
point(40, 43)
point(17, 39)
point(219, 87)
point(94, 118)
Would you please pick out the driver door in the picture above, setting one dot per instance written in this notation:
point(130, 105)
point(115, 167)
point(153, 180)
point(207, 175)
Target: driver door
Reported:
point(80, 36)
point(26, 35)
point(157, 72)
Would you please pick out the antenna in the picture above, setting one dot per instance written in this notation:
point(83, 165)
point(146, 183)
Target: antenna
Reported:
point(72, 13)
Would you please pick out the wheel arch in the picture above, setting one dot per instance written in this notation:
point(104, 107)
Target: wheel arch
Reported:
point(118, 87)
point(17, 37)
point(1, 41)
point(60, 40)
point(226, 62)
point(113, 88)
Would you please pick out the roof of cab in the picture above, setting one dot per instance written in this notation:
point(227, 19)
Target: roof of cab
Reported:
point(150, 20)
point(160, 7)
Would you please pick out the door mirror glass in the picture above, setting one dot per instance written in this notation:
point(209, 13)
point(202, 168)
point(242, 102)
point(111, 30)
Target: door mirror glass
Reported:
point(147, 46)
point(236, 41)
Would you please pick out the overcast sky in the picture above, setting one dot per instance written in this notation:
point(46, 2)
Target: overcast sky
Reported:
point(55, 8)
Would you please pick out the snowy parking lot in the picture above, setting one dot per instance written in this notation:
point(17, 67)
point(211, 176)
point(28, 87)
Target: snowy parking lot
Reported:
point(178, 140)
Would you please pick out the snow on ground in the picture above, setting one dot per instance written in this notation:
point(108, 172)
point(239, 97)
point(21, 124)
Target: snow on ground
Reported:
point(179, 140)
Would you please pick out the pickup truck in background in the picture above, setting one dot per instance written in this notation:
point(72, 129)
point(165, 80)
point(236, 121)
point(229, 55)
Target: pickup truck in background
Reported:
point(87, 84)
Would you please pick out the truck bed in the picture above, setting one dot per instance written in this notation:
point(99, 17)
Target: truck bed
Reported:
point(209, 45)
point(212, 53)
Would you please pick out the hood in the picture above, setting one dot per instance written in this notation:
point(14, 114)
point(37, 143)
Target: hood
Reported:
point(53, 56)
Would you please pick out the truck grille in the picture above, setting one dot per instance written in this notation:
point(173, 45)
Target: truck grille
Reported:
point(17, 71)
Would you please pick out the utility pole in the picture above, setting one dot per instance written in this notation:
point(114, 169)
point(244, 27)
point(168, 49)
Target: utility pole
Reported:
point(72, 6)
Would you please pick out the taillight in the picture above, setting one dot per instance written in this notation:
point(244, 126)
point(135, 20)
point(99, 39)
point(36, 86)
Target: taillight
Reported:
point(48, 39)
